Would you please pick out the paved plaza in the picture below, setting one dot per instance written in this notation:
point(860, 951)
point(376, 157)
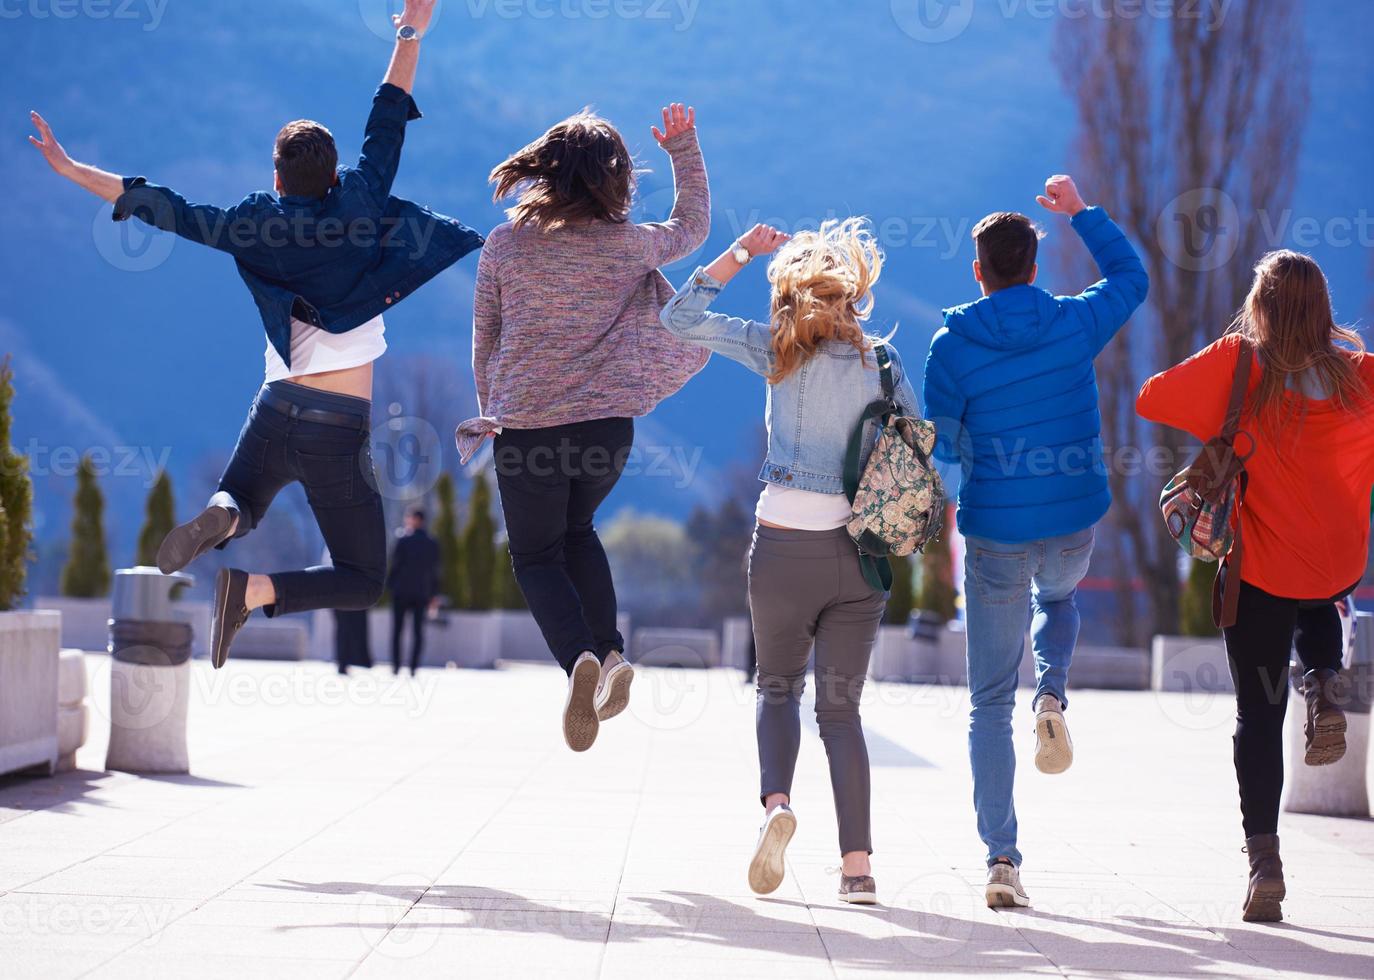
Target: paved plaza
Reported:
point(438, 827)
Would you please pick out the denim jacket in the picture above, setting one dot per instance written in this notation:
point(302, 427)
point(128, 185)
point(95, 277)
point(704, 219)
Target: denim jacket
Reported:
point(333, 262)
point(812, 412)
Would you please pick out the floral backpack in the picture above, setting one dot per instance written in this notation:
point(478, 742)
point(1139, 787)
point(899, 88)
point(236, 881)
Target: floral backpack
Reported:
point(898, 500)
point(1202, 504)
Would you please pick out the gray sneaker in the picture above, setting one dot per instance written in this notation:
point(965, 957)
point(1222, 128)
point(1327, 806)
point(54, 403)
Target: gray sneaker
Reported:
point(769, 865)
point(858, 890)
point(580, 723)
point(613, 696)
point(1004, 889)
point(1053, 747)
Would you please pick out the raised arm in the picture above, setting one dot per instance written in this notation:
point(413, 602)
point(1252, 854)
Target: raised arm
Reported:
point(393, 106)
point(687, 227)
point(746, 341)
point(98, 182)
point(1109, 302)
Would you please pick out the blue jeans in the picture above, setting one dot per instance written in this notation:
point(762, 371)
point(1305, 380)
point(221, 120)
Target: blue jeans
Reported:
point(1009, 588)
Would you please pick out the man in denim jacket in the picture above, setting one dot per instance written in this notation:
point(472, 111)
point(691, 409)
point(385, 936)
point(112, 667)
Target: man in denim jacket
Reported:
point(1010, 386)
point(323, 259)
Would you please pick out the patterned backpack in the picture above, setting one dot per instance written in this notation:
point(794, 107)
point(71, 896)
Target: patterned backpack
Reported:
point(1202, 504)
point(898, 501)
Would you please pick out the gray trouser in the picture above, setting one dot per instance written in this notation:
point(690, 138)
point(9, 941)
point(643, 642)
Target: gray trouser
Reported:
point(806, 587)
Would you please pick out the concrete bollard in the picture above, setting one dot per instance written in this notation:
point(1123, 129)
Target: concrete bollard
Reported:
point(150, 674)
point(1342, 789)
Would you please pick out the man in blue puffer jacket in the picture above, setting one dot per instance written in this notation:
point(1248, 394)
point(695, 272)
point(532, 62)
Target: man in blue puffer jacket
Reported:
point(1011, 388)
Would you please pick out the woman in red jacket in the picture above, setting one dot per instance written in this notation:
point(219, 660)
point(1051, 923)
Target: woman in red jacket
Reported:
point(1310, 418)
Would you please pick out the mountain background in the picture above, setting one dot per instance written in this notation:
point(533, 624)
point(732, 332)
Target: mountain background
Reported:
point(147, 350)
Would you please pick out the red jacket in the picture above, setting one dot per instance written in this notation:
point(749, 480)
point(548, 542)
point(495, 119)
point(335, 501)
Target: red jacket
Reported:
point(1306, 515)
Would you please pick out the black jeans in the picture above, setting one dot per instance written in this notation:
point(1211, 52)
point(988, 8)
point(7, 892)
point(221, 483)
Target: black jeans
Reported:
point(1259, 648)
point(334, 464)
point(552, 481)
point(416, 610)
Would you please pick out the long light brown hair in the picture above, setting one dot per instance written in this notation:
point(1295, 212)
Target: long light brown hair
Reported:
point(578, 171)
point(1288, 318)
point(822, 290)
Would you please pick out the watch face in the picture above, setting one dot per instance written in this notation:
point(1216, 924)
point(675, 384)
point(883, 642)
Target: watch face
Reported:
point(407, 33)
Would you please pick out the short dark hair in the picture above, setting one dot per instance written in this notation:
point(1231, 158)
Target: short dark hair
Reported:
point(579, 171)
point(1007, 244)
point(306, 159)
point(418, 514)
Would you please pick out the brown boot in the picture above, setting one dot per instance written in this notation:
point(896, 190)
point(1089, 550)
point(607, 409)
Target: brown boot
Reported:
point(1324, 690)
point(1266, 888)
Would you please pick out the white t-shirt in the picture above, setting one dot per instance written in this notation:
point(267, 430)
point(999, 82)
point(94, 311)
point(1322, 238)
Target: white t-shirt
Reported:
point(316, 351)
point(802, 510)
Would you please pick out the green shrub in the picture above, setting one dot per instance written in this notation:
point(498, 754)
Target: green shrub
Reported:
point(479, 548)
point(937, 596)
point(159, 517)
point(1195, 607)
point(903, 597)
point(87, 572)
point(16, 502)
point(451, 584)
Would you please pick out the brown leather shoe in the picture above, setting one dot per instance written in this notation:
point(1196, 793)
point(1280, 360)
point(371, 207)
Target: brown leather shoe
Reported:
point(1266, 889)
point(1325, 729)
point(186, 543)
point(228, 614)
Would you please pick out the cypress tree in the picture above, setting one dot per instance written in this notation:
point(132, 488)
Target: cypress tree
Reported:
point(508, 594)
point(87, 573)
point(903, 597)
point(1195, 607)
point(16, 502)
point(159, 517)
point(450, 547)
point(479, 547)
point(937, 593)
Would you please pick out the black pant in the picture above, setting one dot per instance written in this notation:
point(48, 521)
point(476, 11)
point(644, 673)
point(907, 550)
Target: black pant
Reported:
point(415, 609)
point(1259, 648)
point(552, 481)
point(334, 464)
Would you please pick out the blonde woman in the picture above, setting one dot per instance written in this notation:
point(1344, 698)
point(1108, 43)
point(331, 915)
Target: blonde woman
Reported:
point(805, 584)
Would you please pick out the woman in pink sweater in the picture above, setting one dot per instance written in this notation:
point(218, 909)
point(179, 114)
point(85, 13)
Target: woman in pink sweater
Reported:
point(567, 352)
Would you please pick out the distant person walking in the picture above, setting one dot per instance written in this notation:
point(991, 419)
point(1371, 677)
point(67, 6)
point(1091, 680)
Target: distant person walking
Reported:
point(413, 582)
point(1309, 418)
point(567, 352)
point(1010, 386)
point(806, 585)
point(323, 258)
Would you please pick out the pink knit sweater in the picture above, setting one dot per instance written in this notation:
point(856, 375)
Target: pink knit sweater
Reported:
point(566, 323)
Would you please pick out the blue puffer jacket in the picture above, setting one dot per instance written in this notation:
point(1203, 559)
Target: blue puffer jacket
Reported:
point(1011, 388)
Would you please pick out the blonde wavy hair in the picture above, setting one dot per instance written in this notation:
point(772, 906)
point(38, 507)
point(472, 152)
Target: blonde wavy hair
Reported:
point(822, 290)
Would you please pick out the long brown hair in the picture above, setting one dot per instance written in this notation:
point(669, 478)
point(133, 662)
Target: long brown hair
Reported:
point(578, 171)
point(1288, 318)
point(822, 290)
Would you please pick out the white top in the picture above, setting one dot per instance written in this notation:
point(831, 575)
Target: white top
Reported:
point(802, 510)
point(316, 351)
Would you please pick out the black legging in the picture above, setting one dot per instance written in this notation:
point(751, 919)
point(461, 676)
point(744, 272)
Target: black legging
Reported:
point(1259, 648)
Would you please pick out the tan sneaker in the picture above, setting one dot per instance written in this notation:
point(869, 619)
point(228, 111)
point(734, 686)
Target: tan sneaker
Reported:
point(580, 723)
point(1004, 889)
point(858, 890)
point(613, 696)
point(769, 866)
point(1053, 747)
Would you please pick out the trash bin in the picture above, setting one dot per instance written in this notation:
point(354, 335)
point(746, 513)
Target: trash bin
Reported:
point(150, 673)
point(1342, 789)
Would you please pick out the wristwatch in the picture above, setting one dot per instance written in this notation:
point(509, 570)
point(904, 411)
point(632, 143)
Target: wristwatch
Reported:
point(407, 33)
point(741, 254)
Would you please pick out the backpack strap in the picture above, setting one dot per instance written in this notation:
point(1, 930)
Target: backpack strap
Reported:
point(1226, 588)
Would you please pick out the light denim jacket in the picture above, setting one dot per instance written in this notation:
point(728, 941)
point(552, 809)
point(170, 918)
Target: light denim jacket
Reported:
point(812, 412)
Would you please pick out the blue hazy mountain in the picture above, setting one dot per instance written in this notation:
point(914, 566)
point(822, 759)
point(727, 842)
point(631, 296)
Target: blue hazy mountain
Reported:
point(808, 109)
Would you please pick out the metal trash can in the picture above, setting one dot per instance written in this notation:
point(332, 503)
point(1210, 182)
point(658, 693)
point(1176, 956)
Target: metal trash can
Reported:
point(150, 673)
point(1342, 789)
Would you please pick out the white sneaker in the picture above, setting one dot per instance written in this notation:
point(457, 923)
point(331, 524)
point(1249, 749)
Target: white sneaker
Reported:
point(1004, 889)
point(580, 723)
point(767, 869)
point(613, 696)
point(1053, 747)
